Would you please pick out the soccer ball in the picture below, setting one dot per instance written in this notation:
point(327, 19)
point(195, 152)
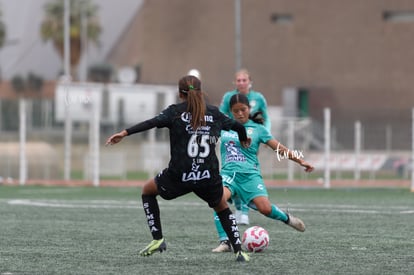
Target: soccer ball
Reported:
point(255, 239)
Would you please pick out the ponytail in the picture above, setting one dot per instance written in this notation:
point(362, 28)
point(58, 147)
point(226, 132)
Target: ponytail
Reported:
point(190, 87)
point(257, 118)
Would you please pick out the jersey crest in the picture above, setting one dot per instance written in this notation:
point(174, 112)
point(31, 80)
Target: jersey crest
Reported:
point(233, 153)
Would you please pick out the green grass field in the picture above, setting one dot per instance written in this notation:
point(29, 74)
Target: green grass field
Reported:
point(74, 230)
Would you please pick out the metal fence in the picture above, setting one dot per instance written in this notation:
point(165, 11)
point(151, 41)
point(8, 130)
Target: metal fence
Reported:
point(356, 150)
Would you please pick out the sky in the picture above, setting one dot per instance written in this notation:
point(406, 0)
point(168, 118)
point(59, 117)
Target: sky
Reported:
point(25, 51)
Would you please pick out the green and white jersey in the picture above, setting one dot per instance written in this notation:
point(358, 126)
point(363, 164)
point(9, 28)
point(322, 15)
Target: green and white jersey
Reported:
point(235, 158)
point(257, 104)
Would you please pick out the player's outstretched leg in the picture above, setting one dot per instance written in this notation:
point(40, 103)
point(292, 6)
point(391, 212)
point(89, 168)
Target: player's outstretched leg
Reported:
point(295, 223)
point(277, 214)
point(154, 246)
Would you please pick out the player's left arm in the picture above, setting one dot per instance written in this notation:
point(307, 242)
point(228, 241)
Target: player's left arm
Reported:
point(282, 150)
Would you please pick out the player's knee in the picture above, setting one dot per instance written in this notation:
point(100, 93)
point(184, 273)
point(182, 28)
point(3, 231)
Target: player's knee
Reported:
point(265, 210)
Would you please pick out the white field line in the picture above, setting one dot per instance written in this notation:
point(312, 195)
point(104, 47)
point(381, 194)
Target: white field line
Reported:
point(119, 204)
point(104, 204)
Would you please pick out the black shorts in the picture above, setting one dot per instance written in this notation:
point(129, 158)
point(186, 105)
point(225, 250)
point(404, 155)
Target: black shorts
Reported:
point(171, 187)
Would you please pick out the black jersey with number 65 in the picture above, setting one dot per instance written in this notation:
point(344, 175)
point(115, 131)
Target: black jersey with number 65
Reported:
point(193, 156)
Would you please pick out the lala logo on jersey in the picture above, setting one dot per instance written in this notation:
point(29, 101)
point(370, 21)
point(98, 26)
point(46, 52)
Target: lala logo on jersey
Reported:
point(195, 175)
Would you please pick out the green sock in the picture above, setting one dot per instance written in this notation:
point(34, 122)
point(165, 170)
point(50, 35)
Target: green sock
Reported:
point(278, 214)
point(220, 230)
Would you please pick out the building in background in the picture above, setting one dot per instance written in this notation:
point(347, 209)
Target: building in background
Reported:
point(355, 57)
point(25, 51)
point(352, 56)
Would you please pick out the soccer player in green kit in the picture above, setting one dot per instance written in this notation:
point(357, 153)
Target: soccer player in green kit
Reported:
point(257, 101)
point(194, 128)
point(241, 169)
point(258, 105)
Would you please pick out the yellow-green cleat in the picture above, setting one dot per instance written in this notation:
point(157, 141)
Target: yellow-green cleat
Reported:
point(242, 256)
point(154, 246)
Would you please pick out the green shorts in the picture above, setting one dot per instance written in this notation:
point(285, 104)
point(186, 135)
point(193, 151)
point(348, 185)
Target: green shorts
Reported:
point(247, 186)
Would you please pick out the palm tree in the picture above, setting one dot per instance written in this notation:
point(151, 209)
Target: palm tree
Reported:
point(52, 27)
point(2, 32)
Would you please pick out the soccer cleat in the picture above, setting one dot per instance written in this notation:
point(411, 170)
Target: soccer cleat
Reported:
point(244, 219)
point(295, 223)
point(242, 257)
point(237, 215)
point(241, 218)
point(224, 246)
point(154, 246)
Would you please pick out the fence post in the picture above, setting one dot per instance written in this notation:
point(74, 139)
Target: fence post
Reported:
point(412, 152)
point(94, 158)
point(68, 137)
point(291, 144)
point(357, 170)
point(327, 140)
point(22, 134)
point(67, 76)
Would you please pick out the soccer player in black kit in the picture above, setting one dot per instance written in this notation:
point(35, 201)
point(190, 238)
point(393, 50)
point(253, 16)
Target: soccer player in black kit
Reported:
point(194, 128)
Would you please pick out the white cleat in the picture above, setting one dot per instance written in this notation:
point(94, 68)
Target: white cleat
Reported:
point(296, 223)
point(244, 219)
point(241, 218)
point(224, 246)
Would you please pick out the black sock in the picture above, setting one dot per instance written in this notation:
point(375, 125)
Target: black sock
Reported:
point(152, 211)
point(228, 221)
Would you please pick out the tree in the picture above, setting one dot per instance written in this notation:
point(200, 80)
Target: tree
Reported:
point(2, 32)
point(52, 27)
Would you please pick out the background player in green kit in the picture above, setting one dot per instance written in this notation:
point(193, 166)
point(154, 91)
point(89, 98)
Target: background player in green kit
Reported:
point(258, 105)
point(241, 168)
point(257, 101)
point(194, 128)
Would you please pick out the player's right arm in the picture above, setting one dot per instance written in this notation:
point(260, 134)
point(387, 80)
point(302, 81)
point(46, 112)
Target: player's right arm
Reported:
point(161, 120)
point(140, 127)
point(117, 137)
